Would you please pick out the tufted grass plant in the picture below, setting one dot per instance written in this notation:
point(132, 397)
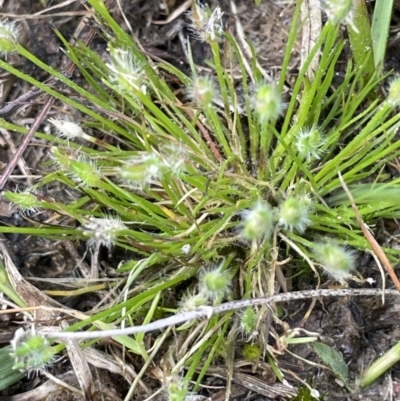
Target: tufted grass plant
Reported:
point(208, 196)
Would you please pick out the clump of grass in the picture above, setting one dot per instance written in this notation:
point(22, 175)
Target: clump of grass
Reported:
point(188, 185)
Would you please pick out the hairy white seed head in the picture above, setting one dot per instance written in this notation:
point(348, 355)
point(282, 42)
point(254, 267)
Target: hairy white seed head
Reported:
point(9, 33)
point(257, 222)
point(308, 142)
point(340, 11)
point(30, 351)
point(102, 231)
point(267, 103)
point(202, 91)
point(248, 321)
point(174, 158)
point(336, 260)
point(214, 283)
point(207, 25)
point(126, 70)
point(140, 170)
point(293, 214)
point(394, 91)
point(67, 129)
point(176, 389)
point(85, 171)
point(62, 157)
point(25, 201)
point(192, 301)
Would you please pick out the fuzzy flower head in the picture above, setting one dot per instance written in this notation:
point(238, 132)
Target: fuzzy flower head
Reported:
point(86, 172)
point(177, 389)
point(248, 321)
point(25, 201)
point(336, 260)
point(62, 157)
point(142, 169)
point(214, 284)
point(102, 232)
point(193, 301)
point(203, 91)
point(174, 158)
point(293, 214)
point(257, 222)
point(67, 129)
point(8, 37)
point(31, 352)
point(308, 143)
point(127, 71)
point(394, 91)
point(82, 169)
point(267, 103)
point(340, 11)
point(207, 25)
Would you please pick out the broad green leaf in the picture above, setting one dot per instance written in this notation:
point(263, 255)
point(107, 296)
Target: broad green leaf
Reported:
point(334, 360)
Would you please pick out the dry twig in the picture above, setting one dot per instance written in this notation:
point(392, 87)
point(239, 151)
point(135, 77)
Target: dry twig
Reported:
point(208, 311)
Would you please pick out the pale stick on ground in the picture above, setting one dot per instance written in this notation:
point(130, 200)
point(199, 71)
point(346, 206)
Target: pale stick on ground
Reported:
point(208, 311)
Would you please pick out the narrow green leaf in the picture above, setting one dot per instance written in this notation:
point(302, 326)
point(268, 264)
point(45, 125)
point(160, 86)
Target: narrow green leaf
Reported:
point(380, 30)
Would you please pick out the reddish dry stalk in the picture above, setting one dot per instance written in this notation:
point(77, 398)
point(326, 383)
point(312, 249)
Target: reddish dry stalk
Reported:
point(11, 165)
point(42, 115)
point(370, 238)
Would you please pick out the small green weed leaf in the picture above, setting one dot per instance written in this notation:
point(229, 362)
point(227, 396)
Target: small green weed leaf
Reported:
point(334, 360)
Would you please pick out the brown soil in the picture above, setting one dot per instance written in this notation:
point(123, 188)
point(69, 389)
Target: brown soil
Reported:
point(361, 331)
